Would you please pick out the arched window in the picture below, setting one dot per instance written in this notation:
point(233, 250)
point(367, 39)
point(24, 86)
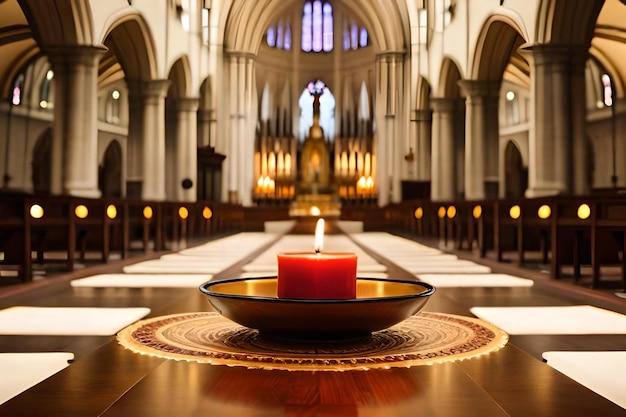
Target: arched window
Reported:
point(317, 26)
point(45, 93)
point(354, 36)
point(279, 35)
point(17, 90)
point(607, 90)
point(113, 107)
point(317, 30)
point(363, 38)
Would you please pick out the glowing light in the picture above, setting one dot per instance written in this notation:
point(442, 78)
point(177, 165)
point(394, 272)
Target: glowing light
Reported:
point(319, 235)
point(477, 212)
point(111, 211)
point(207, 213)
point(419, 213)
point(515, 212)
point(441, 213)
point(43, 104)
point(115, 95)
point(544, 212)
point(81, 211)
point(584, 211)
point(451, 212)
point(510, 95)
point(315, 211)
point(183, 213)
point(36, 211)
point(147, 212)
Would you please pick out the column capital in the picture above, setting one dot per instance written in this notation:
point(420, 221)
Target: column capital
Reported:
point(237, 55)
point(186, 104)
point(74, 54)
point(148, 88)
point(555, 54)
point(207, 115)
point(443, 105)
point(480, 88)
point(390, 56)
point(421, 115)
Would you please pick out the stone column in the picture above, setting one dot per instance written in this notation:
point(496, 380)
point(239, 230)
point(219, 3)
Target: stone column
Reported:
point(581, 178)
point(389, 154)
point(443, 173)
point(240, 167)
point(481, 137)
point(186, 148)
point(207, 122)
point(153, 139)
point(558, 138)
point(75, 130)
point(134, 142)
point(424, 120)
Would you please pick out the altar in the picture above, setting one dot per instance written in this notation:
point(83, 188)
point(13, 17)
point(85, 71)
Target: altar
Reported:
point(315, 175)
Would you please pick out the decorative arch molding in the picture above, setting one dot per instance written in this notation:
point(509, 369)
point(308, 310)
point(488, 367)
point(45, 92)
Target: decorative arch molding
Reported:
point(180, 76)
point(448, 80)
point(424, 92)
point(45, 18)
point(567, 22)
point(205, 94)
point(129, 37)
point(499, 39)
point(245, 22)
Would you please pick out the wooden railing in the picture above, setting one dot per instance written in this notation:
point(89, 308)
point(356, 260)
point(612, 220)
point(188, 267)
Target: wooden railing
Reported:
point(33, 227)
point(555, 231)
point(558, 231)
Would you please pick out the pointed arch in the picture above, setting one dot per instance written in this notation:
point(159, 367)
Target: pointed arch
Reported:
point(180, 77)
point(45, 18)
point(500, 38)
point(423, 94)
point(567, 22)
point(245, 22)
point(42, 163)
point(110, 171)
point(515, 173)
point(131, 43)
point(449, 79)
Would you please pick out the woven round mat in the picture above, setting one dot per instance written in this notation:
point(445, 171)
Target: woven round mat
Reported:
point(422, 339)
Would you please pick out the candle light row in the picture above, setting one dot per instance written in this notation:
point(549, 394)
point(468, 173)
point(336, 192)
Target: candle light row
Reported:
point(266, 187)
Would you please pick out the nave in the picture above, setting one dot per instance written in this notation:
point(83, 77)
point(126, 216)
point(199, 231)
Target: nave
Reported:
point(104, 378)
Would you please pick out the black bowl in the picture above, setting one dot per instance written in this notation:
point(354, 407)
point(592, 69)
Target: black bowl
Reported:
point(379, 304)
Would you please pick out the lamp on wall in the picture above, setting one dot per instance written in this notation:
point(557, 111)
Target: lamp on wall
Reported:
point(609, 101)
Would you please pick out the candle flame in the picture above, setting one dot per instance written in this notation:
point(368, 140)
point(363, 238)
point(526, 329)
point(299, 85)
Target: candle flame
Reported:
point(319, 235)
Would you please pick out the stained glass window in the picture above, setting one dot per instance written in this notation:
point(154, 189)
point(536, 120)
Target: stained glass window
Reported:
point(17, 90)
point(317, 26)
point(279, 35)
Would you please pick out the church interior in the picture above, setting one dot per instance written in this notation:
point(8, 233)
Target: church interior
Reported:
point(187, 183)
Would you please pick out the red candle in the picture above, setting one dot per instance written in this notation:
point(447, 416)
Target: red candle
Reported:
point(317, 275)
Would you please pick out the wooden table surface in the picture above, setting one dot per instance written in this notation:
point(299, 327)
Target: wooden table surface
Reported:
point(108, 380)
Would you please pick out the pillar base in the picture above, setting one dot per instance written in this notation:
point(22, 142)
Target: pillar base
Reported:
point(233, 197)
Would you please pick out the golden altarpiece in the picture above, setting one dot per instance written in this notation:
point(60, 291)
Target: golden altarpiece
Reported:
point(318, 175)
